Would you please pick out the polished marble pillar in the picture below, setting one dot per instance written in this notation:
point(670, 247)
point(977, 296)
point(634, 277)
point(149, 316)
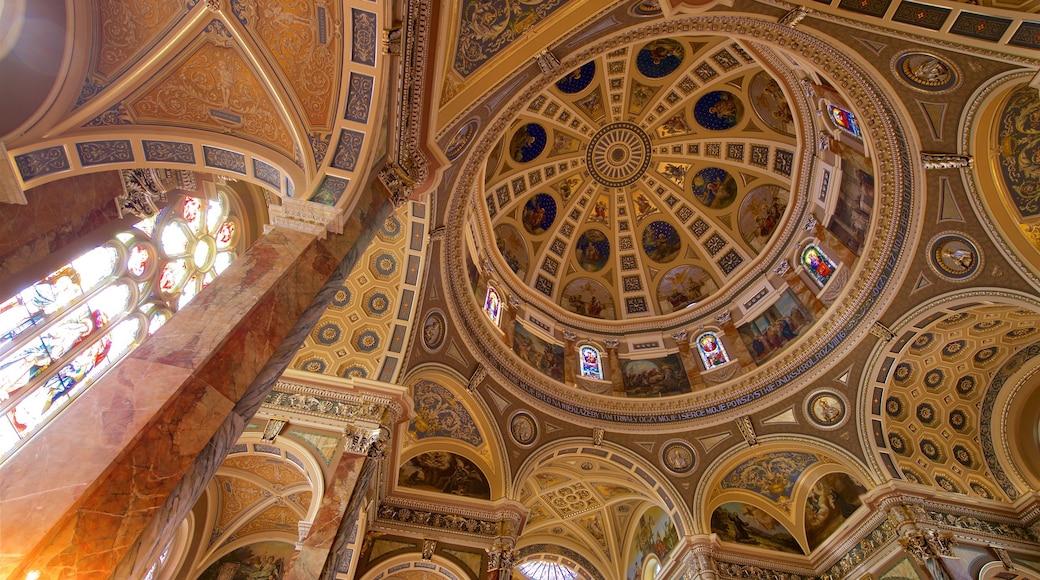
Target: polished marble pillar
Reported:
point(802, 290)
point(570, 357)
point(321, 552)
point(617, 381)
point(99, 493)
point(689, 360)
point(734, 345)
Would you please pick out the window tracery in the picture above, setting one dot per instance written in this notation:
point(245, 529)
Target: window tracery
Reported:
point(62, 333)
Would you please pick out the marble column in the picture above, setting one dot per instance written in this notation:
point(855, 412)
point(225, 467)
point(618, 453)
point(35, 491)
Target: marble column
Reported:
point(510, 307)
point(101, 492)
point(689, 360)
point(318, 556)
point(731, 340)
point(570, 357)
point(836, 248)
point(617, 382)
point(802, 290)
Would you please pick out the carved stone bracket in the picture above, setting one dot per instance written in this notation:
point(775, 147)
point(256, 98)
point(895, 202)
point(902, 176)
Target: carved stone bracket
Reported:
point(142, 192)
point(501, 556)
point(611, 342)
point(810, 223)
point(724, 317)
point(360, 440)
point(597, 436)
point(428, 548)
point(747, 429)
point(547, 61)
point(398, 181)
point(478, 376)
point(946, 161)
point(794, 16)
point(393, 41)
point(782, 268)
point(273, 428)
point(881, 331)
point(681, 336)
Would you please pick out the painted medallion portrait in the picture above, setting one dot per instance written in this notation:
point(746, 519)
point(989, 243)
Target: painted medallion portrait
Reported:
point(718, 111)
point(527, 143)
point(592, 250)
point(539, 213)
point(660, 58)
point(714, 187)
point(588, 298)
point(661, 242)
point(760, 214)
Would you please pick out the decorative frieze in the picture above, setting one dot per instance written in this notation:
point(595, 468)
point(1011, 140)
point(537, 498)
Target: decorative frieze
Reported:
point(946, 161)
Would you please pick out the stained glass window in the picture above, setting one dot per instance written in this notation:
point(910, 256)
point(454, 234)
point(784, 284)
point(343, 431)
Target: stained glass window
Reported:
point(845, 120)
point(590, 362)
point(493, 305)
point(713, 354)
point(542, 570)
point(60, 334)
point(817, 264)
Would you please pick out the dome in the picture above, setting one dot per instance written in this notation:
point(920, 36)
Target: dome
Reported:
point(643, 181)
point(676, 214)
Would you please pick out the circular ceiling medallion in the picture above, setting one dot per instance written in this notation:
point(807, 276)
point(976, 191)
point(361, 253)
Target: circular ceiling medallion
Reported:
point(678, 457)
point(955, 257)
point(618, 154)
point(926, 72)
point(523, 428)
point(826, 409)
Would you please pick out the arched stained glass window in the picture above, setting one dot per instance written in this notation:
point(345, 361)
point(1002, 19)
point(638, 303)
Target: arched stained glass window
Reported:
point(543, 570)
point(60, 334)
point(493, 305)
point(712, 352)
point(591, 365)
point(845, 120)
point(817, 264)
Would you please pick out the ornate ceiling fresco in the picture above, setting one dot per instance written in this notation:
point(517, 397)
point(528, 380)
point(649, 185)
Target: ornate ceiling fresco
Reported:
point(644, 197)
point(645, 180)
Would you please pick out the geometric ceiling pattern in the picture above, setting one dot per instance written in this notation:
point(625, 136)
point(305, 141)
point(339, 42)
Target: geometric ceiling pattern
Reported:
point(363, 331)
point(928, 401)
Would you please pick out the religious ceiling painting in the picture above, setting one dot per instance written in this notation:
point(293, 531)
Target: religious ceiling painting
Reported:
point(1018, 134)
point(261, 561)
point(745, 524)
point(438, 413)
point(831, 501)
point(513, 248)
point(587, 297)
point(545, 357)
point(855, 200)
point(718, 111)
point(770, 104)
point(682, 286)
point(770, 332)
point(771, 475)
point(715, 188)
point(592, 250)
point(539, 213)
point(760, 213)
point(660, 58)
point(485, 29)
point(444, 472)
point(657, 377)
point(654, 533)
